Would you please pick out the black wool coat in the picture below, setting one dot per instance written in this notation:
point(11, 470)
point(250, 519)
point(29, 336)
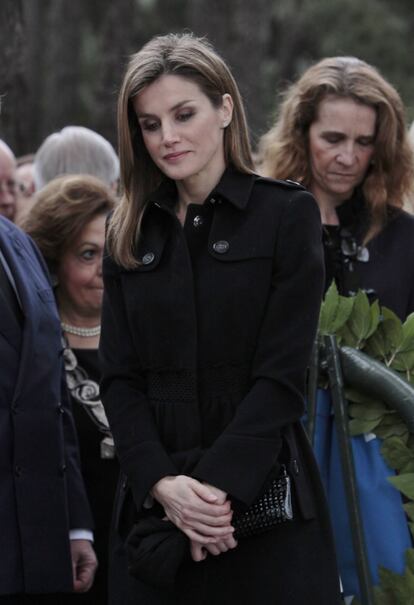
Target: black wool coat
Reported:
point(205, 345)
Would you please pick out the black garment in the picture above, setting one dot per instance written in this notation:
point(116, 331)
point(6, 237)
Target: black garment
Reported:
point(100, 476)
point(384, 268)
point(33, 599)
point(204, 349)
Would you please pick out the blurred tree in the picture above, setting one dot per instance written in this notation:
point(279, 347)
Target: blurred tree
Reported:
point(63, 38)
point(63, 60)
point(122, 33)
point(376, 31)
point(12, 84)
point(35, 22)
point(239, 30)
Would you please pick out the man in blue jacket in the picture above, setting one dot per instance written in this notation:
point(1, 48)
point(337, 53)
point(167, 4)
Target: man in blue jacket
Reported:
point(45, 521)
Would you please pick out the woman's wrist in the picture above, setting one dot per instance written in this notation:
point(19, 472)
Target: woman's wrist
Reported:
point(158, 488)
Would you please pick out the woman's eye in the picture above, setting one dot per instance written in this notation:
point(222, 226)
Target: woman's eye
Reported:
point(149, 126)
point(366, 141)
point(332, 138)
point(87, 254)
point(185, 115)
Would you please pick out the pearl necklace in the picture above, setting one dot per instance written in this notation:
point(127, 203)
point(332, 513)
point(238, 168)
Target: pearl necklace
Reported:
point(84, 332)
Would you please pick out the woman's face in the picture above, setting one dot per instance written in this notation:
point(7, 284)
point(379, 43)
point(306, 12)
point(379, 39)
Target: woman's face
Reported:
point(181, 129)
point(341, 146)
point(80, 285)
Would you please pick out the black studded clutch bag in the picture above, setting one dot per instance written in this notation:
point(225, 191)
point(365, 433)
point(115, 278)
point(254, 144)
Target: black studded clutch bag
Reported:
point(272, 507)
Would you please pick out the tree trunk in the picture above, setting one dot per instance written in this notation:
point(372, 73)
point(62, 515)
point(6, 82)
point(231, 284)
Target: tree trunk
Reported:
point(12, 86)
point(239, 30)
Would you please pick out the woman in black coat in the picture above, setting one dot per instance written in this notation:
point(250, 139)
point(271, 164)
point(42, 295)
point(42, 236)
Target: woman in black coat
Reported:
point(341, 131)
point(213, 284)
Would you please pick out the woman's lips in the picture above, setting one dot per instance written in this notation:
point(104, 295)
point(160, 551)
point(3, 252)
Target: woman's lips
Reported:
point(172, 157)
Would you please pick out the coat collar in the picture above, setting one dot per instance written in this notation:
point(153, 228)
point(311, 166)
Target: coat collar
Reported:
point(234, 187)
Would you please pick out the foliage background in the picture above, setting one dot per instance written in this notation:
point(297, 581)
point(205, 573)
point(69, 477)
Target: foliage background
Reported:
point(61, 61)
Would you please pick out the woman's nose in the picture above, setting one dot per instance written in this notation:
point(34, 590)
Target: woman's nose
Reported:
point(169, 134)
point(346, 155)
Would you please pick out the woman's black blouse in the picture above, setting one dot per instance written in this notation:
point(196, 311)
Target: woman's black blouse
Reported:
point(383, 268)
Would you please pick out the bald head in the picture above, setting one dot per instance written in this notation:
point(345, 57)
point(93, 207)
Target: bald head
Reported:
point(7, 181)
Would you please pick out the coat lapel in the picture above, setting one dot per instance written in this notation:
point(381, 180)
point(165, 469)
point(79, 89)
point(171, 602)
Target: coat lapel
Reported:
point(31, 285)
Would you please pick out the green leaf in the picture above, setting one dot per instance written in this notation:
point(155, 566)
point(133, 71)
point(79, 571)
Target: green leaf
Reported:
point(375, 317)
point(358, 427)
point(408, 467)
point(404, 484)
point(409, 509)
point(388, 337)
point(367, 411)
point(328, 309)
point(409, 559)
point(335, 311)
point(395, 430)
point(390, 419)
point(352, 394)
point(391, 326)
point(359, 322)
point(396, 453)
point(347, 337)
point(400, 587)
point(376, 346)
point(408, 334)
point(380, 597)
point(403, 361)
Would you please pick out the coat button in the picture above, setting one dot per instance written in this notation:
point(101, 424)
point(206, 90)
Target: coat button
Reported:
point(17, 470)
point(198, 221)
point(148, 258)
point(62, 469)
point(221, 247)
point(60, 409)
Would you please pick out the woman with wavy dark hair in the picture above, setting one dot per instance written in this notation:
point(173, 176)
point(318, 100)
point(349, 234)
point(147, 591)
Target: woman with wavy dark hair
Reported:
point(341, 132)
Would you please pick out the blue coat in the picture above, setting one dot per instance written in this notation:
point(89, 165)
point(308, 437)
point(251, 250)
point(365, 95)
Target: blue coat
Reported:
point(41, 489)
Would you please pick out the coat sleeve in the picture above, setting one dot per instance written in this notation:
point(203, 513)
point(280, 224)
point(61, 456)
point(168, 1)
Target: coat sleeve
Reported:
point(142, 456)
point(243, 455)
point(80, 515)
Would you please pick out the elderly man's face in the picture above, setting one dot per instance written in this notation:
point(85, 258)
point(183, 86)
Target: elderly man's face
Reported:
point(7, 184)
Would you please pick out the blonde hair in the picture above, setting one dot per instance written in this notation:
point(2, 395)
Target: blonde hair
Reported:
point(62, 209)
point(189, 57)
point(284, 148)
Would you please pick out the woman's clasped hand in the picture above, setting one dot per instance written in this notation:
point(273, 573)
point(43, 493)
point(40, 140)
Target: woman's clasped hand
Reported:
point(201, 511)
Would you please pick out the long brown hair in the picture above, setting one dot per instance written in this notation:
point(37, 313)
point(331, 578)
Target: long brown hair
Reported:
point(284, 148)
point(189, 57)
